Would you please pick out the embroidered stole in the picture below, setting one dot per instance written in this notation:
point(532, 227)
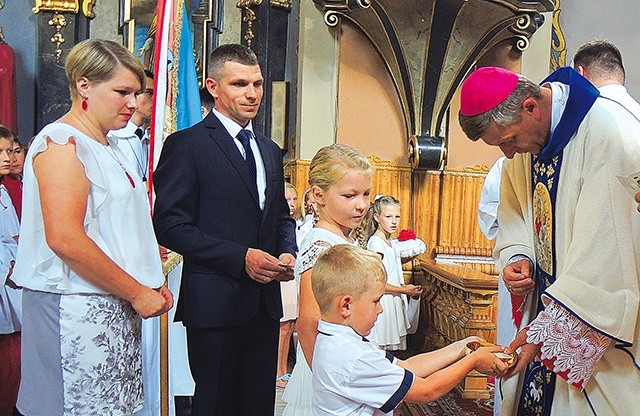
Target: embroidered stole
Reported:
point(538, 385)
point(539, 381)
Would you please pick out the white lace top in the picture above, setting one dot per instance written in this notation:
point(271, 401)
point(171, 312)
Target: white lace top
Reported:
point(314, 243)
point(117, 219)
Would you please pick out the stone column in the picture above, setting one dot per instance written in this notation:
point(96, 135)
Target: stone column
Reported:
point(57, 34)
point(265, 28)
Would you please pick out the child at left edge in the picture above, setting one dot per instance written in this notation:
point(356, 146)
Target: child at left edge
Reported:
point(352, 376)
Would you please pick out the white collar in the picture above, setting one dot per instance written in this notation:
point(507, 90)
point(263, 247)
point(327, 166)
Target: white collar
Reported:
point(612, 88)
point(231, 126)
point(328, 328)
point(559, 97)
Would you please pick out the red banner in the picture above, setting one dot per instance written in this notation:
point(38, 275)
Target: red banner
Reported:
point(8, 113)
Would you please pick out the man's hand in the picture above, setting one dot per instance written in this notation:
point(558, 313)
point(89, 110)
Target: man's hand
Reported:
point(488, 363)
point(528, 353)
point(517, 279)
point(288, 261)
point(638, 200)
point(262, 267)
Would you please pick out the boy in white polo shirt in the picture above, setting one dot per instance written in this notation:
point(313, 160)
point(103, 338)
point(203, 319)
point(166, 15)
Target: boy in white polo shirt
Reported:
point(352, 376)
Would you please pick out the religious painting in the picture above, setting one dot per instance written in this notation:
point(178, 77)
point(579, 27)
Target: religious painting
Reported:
point(138, 25)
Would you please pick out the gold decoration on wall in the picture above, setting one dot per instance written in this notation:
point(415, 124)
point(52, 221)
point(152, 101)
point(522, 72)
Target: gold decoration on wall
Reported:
point(57, 6)
point(65, 6)
point(558, 43)
point(87, 8)
point(249, 17)
point(283, 4)
point(58, 21)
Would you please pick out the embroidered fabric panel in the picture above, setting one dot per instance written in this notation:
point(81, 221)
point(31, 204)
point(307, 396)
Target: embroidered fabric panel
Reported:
point(568, 347)
point(308, 257)
point(536, 397)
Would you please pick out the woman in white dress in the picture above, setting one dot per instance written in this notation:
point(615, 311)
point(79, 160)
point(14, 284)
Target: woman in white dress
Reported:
point(340, 181)
point(88, 260)
point(391, 327)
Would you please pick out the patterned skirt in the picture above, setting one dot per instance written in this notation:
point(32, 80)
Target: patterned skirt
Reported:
point(80, 355)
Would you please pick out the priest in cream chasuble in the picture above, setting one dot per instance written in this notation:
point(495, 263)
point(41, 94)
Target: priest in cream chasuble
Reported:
point(563, 207)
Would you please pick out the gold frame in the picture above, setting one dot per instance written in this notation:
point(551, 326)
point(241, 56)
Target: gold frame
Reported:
point(63, 6)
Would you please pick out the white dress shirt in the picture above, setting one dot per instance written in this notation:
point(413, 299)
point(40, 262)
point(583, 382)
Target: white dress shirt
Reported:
point(233, 129)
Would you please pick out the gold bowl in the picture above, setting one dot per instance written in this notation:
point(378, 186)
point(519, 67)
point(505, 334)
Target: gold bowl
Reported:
point(510, 359)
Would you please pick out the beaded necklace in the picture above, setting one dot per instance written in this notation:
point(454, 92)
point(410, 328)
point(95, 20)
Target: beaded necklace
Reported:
point(110, 151)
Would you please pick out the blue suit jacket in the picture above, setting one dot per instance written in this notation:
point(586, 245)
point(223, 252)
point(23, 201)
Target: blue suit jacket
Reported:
point(206, 211)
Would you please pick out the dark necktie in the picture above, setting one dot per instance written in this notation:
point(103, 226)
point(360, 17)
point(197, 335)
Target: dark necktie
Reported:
point(139, 133)
point(245, 138)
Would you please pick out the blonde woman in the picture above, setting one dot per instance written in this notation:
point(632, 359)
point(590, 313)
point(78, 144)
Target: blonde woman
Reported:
point(88, 259)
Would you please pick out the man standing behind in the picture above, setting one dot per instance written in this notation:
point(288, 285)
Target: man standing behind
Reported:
point(563, 210)
point(220, 204)
point(134, 137)
point(600, 62)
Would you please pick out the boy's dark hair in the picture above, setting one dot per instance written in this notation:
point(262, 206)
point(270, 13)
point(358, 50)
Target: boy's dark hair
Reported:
point(5, 133)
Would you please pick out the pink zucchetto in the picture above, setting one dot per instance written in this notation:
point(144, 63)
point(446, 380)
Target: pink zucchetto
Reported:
point(485, 88)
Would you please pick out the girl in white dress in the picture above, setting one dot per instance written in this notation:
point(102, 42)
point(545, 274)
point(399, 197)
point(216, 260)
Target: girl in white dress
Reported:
point(289, 293)
point(392, 324)
point(340, 181)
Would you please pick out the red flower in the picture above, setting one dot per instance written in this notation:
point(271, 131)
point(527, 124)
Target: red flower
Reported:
point(405, 235)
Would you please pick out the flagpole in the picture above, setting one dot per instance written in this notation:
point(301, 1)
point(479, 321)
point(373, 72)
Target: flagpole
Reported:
point(156, 134)
point(164, 365)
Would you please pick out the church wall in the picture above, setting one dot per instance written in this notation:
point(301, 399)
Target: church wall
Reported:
point(316, 91)
point(369, 112)
point(105, 24)
point(580, 22)
point(613, 20)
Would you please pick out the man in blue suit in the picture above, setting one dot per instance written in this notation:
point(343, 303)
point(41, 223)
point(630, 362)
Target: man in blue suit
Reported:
point(220, 203)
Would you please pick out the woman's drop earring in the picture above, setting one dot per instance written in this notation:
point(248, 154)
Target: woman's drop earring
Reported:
point(85, 105)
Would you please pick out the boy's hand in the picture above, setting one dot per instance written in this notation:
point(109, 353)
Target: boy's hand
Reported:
point(487, 363)
point(413, 290)
point(462, 344)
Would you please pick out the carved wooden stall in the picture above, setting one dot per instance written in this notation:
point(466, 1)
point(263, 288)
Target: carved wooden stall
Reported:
point(458, 302)
point(458, 273)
